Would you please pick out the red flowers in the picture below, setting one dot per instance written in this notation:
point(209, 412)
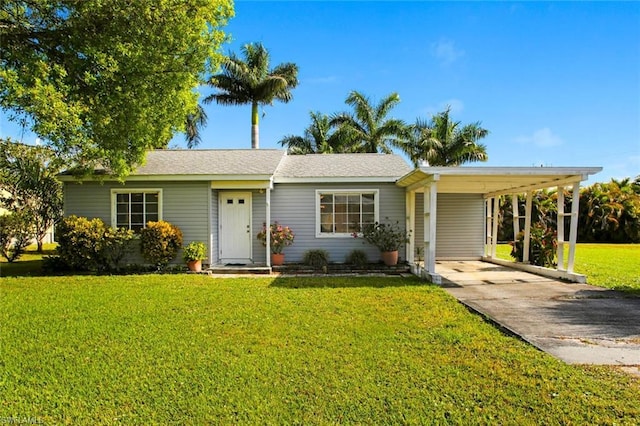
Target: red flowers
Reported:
point(281, 236)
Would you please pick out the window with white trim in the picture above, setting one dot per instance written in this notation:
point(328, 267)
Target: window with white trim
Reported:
point(342, 212)
point(134, 208)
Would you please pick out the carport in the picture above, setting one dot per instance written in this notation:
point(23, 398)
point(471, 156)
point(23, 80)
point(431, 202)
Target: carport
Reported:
point(460, 206)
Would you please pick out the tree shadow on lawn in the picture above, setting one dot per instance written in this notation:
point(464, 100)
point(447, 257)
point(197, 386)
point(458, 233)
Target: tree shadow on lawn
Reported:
point(23, 268)
point(347, 282)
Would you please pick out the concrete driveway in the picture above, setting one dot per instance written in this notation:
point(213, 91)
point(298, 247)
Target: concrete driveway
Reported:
point(577, 323)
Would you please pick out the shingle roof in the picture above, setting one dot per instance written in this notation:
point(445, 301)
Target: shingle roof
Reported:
point(342, 166)
point(206, 164)
point(211, 162)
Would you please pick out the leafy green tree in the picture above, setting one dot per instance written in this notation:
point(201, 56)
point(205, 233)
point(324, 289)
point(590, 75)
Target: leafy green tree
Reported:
point(368, 127)
point(319, 138)
point(249, 80)
point(543, 212)
point(610, 212)
point(105, 81)
point(28, 179)
point(444, 142)
point(16, 231)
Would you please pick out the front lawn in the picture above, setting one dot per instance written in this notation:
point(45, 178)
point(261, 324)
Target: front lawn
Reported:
point(185, 349)
point(29, 264)
point(613, 266)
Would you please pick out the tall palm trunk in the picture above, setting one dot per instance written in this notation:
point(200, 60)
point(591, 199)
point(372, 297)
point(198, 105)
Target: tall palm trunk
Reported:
point(255, 131)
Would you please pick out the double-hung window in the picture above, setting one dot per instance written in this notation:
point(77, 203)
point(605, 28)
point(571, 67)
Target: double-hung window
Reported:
point(340, 213)
point(132, 209)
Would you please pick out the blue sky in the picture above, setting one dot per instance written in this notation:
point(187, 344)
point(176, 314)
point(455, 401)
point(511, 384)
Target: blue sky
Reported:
point(556, 84)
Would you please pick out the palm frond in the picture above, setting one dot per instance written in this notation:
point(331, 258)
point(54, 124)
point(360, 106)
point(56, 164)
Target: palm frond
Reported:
point(194, 122)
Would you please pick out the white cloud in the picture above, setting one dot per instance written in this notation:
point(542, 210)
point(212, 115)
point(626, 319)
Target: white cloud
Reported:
point(445, 51)
point(541, 138)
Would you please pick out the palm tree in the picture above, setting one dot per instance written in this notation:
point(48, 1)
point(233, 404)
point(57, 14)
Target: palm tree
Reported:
point(319, 138)
point(420, 143)
point(455, 145)
point(193, 123)
point(249, 80)
point(368, 129)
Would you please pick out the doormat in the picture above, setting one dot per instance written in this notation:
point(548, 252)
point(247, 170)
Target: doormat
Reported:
point(235, 264)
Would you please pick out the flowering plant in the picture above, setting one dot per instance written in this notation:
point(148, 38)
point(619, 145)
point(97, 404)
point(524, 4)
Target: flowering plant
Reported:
point(281, 236)
point(385, 236)
point(543, 244)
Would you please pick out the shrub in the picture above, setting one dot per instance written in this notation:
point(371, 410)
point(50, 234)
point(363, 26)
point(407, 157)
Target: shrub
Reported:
point(16, 232)
point(385, 236)
point(316, 258)
point(196, 250)
point(90, 245)
point(115, 246)
point(357, 258)
point(542, 246)
point(79, 242)
point(160, 242)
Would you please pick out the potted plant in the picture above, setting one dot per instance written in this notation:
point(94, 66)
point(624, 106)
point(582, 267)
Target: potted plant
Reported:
point(193, 254)
point(281, 236)
point(388, 237)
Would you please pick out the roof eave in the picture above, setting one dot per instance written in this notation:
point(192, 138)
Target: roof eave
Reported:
point(335, 179)
point(176, 177)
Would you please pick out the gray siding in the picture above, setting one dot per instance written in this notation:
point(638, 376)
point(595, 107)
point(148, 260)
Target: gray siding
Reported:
point(214, 227)
point(460, 225)
point(460, 229)
point(258, 215)
point(418, 228)
point(184, 204)
point(294, 205)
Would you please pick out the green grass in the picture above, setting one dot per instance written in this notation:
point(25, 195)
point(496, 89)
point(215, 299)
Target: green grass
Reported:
point(185, 349)
point(613, 266)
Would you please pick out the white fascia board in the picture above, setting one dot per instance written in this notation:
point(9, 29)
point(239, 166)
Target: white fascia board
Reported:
point(509, 171)
point(346, 179)
point(414, 176)
point(552, 183)
point(419, 185)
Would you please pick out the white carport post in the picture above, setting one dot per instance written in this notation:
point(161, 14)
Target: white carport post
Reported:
point(488, 224)
point(560, 227)
point(527, 228)
point(430, 207)
point(494, 230)
point(516, 217)
point(573, 227)
point(410, 210)
point(268, 222)
point(492, 211)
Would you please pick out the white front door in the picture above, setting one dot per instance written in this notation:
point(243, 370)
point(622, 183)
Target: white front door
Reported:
point(235, 227)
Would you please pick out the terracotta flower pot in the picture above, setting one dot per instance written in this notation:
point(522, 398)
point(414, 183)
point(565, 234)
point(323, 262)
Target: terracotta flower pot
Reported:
point(390, 258)
point(277, 259)
point(195, 265)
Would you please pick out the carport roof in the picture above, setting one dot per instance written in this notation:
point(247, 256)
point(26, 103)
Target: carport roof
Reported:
point(494, 181)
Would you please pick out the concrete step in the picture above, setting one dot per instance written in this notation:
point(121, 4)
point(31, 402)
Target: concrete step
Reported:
point(238, 269)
